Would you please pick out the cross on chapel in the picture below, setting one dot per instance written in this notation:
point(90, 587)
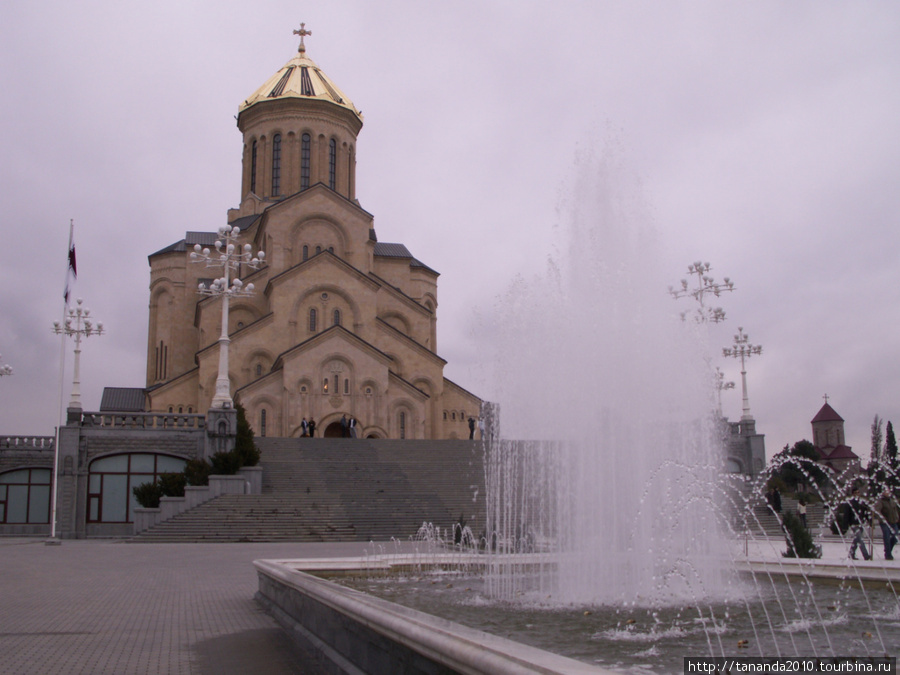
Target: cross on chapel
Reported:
point(302, 33)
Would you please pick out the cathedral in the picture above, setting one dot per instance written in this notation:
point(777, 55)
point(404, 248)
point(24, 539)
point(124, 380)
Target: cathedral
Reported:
point(340, 324)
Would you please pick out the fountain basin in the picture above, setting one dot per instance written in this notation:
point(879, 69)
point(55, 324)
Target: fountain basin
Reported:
point(362, 633)
point(359, 633)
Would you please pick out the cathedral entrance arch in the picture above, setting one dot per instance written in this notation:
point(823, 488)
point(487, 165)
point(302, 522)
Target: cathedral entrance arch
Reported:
point(333, 430)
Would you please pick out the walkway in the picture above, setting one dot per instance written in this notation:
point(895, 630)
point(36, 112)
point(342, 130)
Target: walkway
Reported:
point(108, 607)
point(103, 606)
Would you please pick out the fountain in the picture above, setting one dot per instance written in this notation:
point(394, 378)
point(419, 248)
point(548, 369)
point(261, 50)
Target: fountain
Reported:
point(616, 513)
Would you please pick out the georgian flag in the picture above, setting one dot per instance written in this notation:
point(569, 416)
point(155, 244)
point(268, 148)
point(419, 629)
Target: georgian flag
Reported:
point(71, 273)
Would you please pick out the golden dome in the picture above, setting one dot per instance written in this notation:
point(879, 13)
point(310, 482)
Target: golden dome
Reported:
point(300, 78)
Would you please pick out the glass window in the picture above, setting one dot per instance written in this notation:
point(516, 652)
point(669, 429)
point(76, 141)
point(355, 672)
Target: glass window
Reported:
point(253, 168)
point(346, 386)
point(262, 422)
point(276, 165)
point(332, 164)
point(139, 463)
point(112, 480)
point(305, 251)
point(304, 161)
point(402, 421)
point(115, 497)
point(337, 317)
point(17, 504)
point(325, 386)
point(312, 320)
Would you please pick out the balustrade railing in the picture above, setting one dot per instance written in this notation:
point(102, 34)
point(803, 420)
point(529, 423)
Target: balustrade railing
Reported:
point(26, 442)
point(143, 420)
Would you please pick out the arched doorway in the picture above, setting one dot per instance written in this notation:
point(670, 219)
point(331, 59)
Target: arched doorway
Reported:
point(333, 430)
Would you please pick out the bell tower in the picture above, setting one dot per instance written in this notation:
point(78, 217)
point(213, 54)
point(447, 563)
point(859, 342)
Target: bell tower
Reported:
point(299, 130)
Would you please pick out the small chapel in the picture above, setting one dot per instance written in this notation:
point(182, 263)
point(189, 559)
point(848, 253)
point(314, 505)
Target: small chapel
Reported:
point(340, 323)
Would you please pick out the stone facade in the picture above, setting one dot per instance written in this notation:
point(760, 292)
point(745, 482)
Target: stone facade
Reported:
point(341, 324)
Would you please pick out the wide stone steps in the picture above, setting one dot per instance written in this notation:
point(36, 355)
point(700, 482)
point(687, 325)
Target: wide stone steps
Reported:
point(343, 490)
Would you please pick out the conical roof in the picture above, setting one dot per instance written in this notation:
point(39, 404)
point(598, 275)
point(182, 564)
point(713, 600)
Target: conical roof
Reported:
point(300, 78)
point(827, 414)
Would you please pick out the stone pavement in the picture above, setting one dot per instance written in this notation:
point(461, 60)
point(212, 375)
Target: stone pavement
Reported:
point(109, 607)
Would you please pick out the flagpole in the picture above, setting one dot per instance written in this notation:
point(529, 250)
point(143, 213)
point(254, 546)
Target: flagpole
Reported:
point(70, 269)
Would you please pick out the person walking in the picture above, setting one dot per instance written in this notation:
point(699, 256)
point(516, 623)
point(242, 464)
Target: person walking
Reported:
point(888, 518)
point(801, 509)
point(857, 514)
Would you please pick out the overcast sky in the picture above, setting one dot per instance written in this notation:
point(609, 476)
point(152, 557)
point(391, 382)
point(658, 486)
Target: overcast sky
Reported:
point(766, 136)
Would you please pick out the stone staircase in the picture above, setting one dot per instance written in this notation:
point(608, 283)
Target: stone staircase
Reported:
point(342, 490)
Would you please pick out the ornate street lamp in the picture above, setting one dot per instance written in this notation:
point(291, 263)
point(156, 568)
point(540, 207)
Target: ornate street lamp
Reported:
point(705, 286)
point(5, 369)
point(744, 350)
point(721, 385)
point(228, 256)
point(77, 324)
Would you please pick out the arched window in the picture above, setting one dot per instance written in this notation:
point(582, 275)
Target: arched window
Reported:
point(111, 481)
point(337, 318)
point(346, 386)
point(445, 415)
point(253, 168)
point(332, 164)
point(262, 422)
point(312, 320)
point(325, 386)
point(25, 496)
point(304, 161)
point(402, 424)
point(276, 165)
point(258, 369)
point(305, 252)
point(318, 250)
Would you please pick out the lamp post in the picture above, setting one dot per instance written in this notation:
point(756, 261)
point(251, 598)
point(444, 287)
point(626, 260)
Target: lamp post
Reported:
point(5, 369)
point(744, 350)
point(228, 256)
point(705, 286)
point(721, 385)
point(77, 324)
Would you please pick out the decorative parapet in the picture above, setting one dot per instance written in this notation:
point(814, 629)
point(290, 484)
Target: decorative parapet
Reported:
point(27, 443)
point(143, 420)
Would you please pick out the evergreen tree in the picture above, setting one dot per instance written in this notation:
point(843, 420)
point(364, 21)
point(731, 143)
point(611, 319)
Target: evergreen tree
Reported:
point(889, 458)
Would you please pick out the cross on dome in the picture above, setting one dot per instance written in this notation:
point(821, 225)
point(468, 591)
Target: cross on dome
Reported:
point(302, 33)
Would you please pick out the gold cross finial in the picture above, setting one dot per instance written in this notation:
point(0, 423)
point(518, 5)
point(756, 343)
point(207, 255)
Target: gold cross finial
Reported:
point(302, 33)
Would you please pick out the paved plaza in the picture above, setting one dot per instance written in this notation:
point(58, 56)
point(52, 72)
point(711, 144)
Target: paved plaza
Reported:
point(106, 606)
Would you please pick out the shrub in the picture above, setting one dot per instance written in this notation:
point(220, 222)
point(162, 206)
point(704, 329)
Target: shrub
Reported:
point(226, 463)
point(244, 445)
point(196, 472)
point(148, 494)
point(798, 539)
point(172, 484)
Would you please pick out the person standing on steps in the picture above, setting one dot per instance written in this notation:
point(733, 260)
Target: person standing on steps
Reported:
point(888, 518)
point(857, 514)
point(304, 428)
point(471, 428)
point(312, 427)
point(345, 427)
